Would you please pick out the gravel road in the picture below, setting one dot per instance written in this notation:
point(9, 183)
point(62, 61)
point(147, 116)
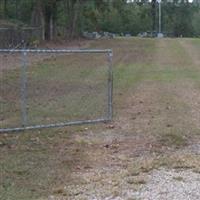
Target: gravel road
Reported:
point(171, 185)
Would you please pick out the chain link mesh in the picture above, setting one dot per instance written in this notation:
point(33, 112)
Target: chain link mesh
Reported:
point(10, 83)
point(39, 89)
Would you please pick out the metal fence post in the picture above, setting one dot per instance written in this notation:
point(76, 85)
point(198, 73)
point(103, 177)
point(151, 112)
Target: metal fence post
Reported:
point(110, 87)
point(24, 89)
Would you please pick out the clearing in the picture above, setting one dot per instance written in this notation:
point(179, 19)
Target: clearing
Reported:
point(151, 150)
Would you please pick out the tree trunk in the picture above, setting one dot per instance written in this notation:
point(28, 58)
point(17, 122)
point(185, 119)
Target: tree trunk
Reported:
point(1, 9)
point(51, 27)
point(74, 21)
point(37, 18)
point(5, 10)
point(153, 15)
point(16, 9)
point(73, 8)
point(50, 17)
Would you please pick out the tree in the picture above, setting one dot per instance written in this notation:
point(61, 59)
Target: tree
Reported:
point(196, 23)
point(73, 10)
point(3, 9)
point(37, 18)
point(69, 18)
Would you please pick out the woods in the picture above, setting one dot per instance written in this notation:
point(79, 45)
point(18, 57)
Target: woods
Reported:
point(68, 19)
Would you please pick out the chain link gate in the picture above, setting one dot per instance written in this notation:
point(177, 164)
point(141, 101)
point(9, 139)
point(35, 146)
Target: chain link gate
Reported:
point(43, 88)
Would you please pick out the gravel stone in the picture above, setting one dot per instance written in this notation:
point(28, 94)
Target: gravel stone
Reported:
point(163, 185)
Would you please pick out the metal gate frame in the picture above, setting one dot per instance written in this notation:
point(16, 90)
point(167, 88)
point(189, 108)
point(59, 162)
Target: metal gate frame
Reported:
point(23, 88)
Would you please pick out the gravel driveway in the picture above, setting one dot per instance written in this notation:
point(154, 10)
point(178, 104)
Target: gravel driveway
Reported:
point(170, 185)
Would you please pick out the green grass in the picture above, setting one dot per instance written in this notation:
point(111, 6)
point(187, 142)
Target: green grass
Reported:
point(178, 66)
point(58, 89)
point(128, 76)
point(173, 138)
point(32, 165)
point(195, 42)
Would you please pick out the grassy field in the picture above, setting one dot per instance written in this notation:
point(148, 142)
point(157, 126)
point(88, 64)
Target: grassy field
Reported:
point(156, 121)
point(59, 88)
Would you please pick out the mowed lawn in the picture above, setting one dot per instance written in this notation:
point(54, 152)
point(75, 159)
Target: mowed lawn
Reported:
point(59, 88)
point(156, 120)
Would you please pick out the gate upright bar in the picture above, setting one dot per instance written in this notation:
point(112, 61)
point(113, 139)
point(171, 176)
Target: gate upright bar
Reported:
point(110, 87)
point(24, 90)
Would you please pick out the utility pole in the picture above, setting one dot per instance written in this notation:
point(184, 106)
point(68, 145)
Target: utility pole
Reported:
point(160, 12)
point(160, 35)
point(153, 12)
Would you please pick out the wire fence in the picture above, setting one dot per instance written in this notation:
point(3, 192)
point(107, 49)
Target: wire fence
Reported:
point(12, 37)
point(42, 88)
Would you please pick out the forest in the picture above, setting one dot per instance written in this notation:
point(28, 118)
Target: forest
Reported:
point(68, 19)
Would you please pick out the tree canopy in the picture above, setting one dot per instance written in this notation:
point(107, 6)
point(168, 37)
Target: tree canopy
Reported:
point(70, 18)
